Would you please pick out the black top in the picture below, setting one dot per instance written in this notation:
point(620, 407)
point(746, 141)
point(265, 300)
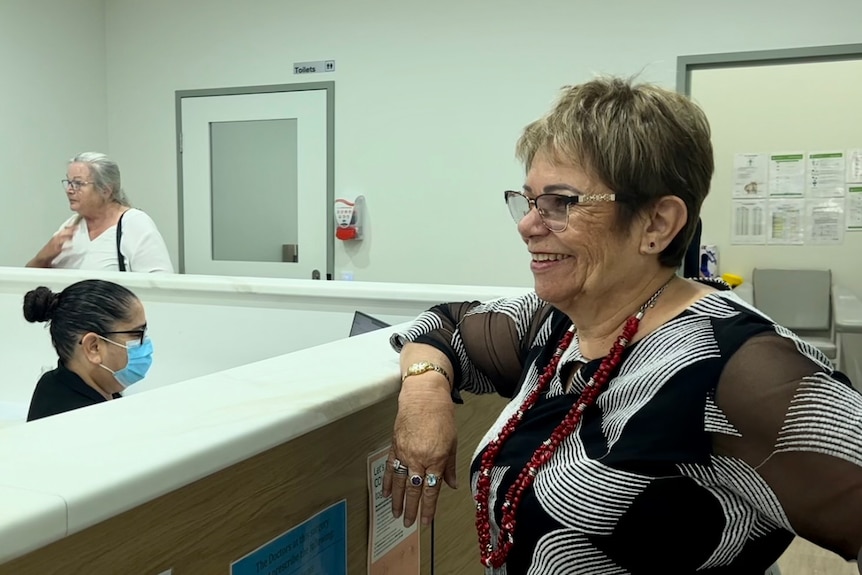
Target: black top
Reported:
point(61, 390)
point(719, 436)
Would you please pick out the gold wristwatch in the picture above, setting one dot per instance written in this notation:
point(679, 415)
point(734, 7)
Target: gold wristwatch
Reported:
point(422, 367)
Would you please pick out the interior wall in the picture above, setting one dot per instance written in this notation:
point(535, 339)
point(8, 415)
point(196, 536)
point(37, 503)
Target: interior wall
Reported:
point(53, 105)
point(429, 99)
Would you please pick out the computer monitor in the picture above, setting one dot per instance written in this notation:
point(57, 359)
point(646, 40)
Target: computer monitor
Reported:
point(363, 323)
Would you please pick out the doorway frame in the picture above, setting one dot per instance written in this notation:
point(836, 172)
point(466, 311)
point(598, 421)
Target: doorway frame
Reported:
point(685, 65)
point(329, 88)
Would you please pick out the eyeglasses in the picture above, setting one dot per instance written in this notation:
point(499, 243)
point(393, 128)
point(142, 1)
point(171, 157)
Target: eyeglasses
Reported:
point(75, 185)
point(139, 333)
point(552, 208)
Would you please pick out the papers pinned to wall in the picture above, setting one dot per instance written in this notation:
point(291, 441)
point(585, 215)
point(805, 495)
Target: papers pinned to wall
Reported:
point(796, 198)
point(826, 173)
point(787, 174)
point(748, 222)
point(854, 208)
point(750, 173)
point(854, 165)
point(824, 222)
point(785, 222)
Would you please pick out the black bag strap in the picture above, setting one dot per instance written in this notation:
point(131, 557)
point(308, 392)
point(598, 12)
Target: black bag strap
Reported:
point(121, 261)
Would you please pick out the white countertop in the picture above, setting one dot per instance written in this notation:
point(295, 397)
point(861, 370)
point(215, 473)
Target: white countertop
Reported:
point(64, 473)
point(20, 280)
point(29, 520)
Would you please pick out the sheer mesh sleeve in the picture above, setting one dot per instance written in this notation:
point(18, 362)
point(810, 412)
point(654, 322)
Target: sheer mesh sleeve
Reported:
point(487, 343)
point(799, 426)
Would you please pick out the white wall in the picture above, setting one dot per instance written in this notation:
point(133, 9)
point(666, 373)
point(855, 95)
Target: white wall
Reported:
point(53, 105)
point(430, 98)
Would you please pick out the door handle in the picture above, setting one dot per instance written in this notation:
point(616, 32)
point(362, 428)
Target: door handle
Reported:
point(290, 253)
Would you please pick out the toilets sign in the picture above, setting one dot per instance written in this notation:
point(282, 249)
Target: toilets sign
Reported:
point(319, 67)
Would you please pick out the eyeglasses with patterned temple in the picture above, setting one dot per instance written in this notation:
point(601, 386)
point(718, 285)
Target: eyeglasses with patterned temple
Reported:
point(553, 208)
point(139, 334)
point(74, 185)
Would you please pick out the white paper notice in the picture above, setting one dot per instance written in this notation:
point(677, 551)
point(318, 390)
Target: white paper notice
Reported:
point(824, 223)
point(750, 172)
point(854, 165)
point(854, 209)
point(787, 174)
point(392, 548)
point(785, 222)
point(826, 173)
point(749, 222)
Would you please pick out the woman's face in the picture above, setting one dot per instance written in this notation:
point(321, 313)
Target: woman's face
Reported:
point(115, 357)
point(587, 258)
point(84, 197)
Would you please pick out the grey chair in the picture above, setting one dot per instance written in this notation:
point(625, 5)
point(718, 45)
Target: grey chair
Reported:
point(806, 302)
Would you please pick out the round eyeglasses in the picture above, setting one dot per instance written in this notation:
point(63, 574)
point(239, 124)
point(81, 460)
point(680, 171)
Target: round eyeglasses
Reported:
point(553, 208)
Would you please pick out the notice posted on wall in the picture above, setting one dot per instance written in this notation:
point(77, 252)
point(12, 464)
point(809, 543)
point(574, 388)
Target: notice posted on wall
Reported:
point(854, 165)
point(317, 546)
point(748, 222)
point(826, 171)
point(786, 222)
point(750, 175)
point(787, 174)
point(392, 548)
point(824, 222)
point(854, 208)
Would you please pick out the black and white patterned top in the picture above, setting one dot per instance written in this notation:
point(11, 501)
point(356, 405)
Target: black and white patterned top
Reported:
point(720, 436)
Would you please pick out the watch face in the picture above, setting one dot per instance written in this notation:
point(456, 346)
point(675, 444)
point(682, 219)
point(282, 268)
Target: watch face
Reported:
point(420, 367)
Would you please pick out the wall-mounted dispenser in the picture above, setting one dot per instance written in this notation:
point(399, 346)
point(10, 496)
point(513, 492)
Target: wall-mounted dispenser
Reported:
point(349, 218)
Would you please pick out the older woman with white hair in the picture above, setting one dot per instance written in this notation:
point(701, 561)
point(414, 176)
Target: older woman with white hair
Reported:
point(106, 233)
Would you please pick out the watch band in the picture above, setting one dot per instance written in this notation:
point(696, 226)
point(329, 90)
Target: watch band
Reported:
point(425, 366)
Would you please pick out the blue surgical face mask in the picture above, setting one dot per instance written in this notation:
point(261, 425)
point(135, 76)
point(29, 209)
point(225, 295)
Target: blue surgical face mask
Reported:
point(140, 358)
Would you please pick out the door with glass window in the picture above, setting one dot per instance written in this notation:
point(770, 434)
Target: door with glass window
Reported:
point(256, 189)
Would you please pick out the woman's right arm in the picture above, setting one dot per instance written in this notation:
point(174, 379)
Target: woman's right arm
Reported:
point(49, 252)
point(481, 348)
point(484, 344)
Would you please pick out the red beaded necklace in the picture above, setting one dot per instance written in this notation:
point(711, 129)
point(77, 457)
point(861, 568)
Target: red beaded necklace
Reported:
point(497, 557)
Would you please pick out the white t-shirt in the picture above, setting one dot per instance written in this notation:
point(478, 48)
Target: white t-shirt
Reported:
point(141, 244)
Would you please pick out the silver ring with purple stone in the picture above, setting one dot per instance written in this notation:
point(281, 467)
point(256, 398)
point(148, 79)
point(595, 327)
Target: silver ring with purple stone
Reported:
point(416, 480)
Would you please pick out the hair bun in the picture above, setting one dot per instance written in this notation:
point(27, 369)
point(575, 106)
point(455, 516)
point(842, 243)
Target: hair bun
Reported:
point(39, 304)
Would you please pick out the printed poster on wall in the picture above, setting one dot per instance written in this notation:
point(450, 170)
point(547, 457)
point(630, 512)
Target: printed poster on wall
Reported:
point(787, 174)
point(786, 222)
point(392, 548)
point(750, 173)
point(854, 166)
point(826, 173)
point(748, 222)
point(317, 546)
point(824, 222)
point(854, 209)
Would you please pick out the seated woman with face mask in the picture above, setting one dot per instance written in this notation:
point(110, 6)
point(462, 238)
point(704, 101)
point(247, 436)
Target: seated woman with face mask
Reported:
point(99, 330)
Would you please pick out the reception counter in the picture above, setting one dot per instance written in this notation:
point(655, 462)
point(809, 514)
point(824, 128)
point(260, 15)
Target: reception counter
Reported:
point(190, 476)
